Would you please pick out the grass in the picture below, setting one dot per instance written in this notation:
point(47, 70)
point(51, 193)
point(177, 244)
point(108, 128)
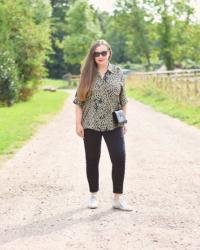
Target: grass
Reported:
point(189, 113)
point(56, 83)
point(19, 122)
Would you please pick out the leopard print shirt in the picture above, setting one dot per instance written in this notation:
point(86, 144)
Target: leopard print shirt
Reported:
point(97, 113)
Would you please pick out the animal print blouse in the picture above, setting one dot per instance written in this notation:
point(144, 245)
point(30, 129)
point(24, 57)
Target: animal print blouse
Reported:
point(97, 113)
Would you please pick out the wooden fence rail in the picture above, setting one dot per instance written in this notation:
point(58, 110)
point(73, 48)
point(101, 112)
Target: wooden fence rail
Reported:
point(183, 84)
point(71, 78)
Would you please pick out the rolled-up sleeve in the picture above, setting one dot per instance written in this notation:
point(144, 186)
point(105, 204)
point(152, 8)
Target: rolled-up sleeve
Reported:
point(123, 98)
point(77, 101)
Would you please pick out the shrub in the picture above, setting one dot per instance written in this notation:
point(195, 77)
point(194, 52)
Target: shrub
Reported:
point(24, 43)
point(9, 82)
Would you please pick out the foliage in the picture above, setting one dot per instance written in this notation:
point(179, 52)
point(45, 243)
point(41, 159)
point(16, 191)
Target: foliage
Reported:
point(174, 18)
point(137, 26)
point(57, 33)
point(117, 40)
point(155, 32)
point(9, 82)
point(83, 28)
point(30, 37)
point(55, 63)
point(69, 41)
point(24, 32)
point(148, 32)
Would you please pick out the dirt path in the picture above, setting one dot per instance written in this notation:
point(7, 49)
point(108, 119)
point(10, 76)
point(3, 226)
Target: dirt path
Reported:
point(44, 191)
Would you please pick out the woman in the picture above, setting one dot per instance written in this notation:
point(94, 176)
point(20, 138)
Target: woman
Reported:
point(100, 91)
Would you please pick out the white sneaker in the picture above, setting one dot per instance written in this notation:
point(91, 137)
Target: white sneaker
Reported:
point(93, 202)
point(121, 204)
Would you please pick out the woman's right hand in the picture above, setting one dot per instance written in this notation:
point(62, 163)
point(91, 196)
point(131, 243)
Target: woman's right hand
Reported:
point(80, 130)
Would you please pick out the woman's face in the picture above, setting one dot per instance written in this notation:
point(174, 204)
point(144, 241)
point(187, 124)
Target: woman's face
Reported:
point(101, 55)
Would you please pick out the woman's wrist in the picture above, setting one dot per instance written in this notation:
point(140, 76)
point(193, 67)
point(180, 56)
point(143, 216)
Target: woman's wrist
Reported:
point(78, 124)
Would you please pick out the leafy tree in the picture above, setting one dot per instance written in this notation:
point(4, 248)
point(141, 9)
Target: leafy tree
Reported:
point(156, 30)
point(24, 34)
point(83, 28)
point(172, 18)
point(113, 35)
point(55, 63)
point(187, 53)
point(131, 18)
point(28, 34)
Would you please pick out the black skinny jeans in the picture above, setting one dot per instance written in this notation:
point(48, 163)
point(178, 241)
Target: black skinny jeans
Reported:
point(115, 143)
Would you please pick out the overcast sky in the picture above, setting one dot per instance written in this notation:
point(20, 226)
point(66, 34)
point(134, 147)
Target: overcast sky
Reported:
point(108, 5)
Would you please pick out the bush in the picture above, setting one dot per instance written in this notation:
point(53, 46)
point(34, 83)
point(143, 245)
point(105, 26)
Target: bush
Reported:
point(25, 94)
point(9, 82)
point(25, 36)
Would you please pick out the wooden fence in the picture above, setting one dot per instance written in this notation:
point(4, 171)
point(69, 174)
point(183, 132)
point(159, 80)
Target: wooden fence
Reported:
point(71, 78)
point(182, 84)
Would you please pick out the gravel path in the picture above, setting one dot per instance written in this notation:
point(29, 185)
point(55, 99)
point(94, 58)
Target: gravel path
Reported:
point(44, 191)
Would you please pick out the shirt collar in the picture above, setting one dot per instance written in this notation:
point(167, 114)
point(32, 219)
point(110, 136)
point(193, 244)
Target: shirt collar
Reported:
point(111, 68)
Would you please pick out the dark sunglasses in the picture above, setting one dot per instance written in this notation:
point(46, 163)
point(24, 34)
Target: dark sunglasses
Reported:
point(103, 53)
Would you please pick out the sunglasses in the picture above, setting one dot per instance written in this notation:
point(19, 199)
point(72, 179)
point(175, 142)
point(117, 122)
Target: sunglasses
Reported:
point(103, 53)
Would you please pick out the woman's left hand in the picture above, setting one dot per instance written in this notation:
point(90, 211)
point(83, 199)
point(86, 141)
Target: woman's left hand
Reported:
point(124, 129)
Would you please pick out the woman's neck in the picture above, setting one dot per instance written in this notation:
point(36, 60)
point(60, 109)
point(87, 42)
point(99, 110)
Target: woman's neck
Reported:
point(102, 68)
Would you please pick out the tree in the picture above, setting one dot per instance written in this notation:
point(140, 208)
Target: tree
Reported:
point(24, 35)
point(131, 18)
point(83, 28)
point(55, 63)
point(156, 30)
point(172, 18)
point(118, 41)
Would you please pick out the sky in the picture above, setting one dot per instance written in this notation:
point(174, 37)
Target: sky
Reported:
point(108, 5)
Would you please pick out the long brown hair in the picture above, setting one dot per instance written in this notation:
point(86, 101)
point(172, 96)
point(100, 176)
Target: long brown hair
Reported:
point(89, 70)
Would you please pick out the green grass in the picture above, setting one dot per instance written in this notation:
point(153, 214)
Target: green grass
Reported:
point(161, 102)
point(56, 83)
point(19, 122)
